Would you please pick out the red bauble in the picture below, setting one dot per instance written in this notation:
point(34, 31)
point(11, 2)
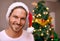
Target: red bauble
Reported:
point(52, 25)
point(43, 20)
point(52, 36)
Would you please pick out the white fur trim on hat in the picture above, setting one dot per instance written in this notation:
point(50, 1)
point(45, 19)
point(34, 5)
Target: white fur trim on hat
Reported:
point(15, 5)
point(30, 29)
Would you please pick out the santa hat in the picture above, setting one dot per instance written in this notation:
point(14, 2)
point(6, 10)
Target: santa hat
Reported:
point(30, 29)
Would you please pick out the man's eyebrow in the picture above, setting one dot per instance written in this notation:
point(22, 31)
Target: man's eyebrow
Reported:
point(15, 16)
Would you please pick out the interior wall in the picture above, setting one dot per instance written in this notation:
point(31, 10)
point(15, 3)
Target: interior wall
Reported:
point(4, 4)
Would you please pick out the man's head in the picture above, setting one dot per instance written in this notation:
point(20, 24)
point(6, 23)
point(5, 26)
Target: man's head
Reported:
point(16, 16)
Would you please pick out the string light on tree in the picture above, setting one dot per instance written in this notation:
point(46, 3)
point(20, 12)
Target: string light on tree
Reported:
point(33, 17)
point(39, 29)
point(39, 14)
point(52, 39)
point(46, 12)
point(47, 8)
point(42, 34)
point(45, 26)
point(47, 33)
point(34, 30)
point(36, 6)
point(32, 10)
point(50, 29)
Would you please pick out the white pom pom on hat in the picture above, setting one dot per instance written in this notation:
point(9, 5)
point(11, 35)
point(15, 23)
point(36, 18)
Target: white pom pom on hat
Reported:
point(12, 6)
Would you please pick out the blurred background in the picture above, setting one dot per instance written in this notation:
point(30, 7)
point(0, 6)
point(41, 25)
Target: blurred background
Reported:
point(54, 7)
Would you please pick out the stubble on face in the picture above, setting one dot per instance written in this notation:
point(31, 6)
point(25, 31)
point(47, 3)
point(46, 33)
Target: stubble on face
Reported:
point(13, 20)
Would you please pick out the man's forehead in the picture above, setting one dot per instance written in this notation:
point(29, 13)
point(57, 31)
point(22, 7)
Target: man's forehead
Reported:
point(19, 12)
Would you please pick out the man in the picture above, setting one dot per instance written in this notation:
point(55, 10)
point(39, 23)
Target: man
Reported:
point(16, 17)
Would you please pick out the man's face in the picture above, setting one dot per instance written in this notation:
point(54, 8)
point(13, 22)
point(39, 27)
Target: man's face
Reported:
point(17, 19)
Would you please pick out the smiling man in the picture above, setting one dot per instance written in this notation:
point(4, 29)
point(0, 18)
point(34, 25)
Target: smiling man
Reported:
point(16, 17)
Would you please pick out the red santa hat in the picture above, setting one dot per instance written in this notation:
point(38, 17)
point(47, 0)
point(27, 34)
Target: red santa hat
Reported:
point(12, 6)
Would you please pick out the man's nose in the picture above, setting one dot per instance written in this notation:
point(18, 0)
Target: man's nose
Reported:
point(19, 21)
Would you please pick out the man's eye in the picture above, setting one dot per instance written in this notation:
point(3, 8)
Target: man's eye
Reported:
point(15, 16)
point(23, 18)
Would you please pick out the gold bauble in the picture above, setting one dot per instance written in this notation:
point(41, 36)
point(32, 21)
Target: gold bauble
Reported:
point(36, 20)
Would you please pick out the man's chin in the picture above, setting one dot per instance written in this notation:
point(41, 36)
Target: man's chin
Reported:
point(17, 29)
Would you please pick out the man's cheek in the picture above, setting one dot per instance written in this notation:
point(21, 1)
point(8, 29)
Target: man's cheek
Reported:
point(23, 23)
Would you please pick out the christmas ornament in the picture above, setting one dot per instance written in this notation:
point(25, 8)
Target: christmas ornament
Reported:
point(52, 26)
point(43, 22)
point(52, 36)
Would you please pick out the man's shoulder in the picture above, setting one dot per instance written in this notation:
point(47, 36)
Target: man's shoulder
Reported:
point(1, 32)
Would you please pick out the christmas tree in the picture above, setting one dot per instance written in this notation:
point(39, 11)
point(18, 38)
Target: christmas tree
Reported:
point(42, 22)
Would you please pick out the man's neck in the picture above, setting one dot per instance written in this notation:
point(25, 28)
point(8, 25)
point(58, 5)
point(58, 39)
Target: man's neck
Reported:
point(13, 34)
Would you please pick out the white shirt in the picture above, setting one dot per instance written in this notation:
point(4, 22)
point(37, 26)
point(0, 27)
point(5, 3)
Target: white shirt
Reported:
point(24, 37)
